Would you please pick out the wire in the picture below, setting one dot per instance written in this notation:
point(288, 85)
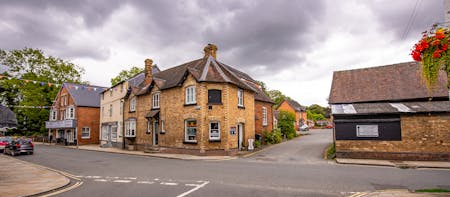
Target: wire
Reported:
point(411, 19)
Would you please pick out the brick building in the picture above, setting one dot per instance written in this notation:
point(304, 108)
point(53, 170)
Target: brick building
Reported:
point(75, 115)
point(387, 112)
point(295, 108)
point(201, 107)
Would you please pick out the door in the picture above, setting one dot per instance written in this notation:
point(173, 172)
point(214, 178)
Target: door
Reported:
point(69, 135)
point(155, 132)
point(240, 128)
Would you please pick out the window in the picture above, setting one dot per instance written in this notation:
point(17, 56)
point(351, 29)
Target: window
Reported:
point(130, 128)
point(105, 132)
point(190, 95)
point(190, 134)
point(133, 104)
point(103, 111)
point(114, 133)
point(111, 92)
point(110, 110)
point(53, 114)
point(85, 133)
point(149, 127)
point(156, 100)
point(264, 113)
point(70, 113)
point(214, 97)
point(214, 131)
point(121, 107)
point(163, 130)
point(241, 98)
point(63, 115)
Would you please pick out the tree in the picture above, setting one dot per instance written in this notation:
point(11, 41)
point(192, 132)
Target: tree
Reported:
point(126, 74)
point(32, 65)
point(286, 124)
point(277, 97)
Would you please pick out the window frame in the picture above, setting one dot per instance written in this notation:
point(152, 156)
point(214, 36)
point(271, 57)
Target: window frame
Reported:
point(133, 104)
point(110, 110)
point(211, 138)
point(190, 92)
point(83, 130)
point(186, 136)
point(156, 100)
point(129, 126)
point(213, 102)
point(54, 114)
point(240, 95)
point(264, 114)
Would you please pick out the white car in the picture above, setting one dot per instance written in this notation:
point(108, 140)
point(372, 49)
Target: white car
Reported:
point(304, 128)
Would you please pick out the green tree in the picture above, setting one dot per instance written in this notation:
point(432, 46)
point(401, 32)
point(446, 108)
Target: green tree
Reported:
point(286, 124)
point(126, 74)
point(34, 65)
point(277, 97)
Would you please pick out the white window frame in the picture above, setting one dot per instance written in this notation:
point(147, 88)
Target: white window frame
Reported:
point(84, 130)
point(114, 130)
point(210, 130)
point(186, 137)
point(130, 128)
point(163, 130)
point(104, 132)
point(155, 100)
point(149, 127)
point(53, 114)
point(190, 95)
point(70, 113)
point(133, 104)
point(264, 114)
point(240, 98)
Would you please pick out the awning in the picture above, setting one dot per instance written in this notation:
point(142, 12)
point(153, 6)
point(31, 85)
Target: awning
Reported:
point(152, 113)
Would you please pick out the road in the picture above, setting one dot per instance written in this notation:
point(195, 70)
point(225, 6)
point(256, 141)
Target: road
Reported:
point(293, 168)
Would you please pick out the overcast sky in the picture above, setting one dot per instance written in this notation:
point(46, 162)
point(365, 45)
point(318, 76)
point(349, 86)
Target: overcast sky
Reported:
point(293, 46)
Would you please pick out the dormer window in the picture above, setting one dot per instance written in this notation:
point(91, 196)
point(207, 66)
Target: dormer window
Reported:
point(133, 104)
point(190, 95)
point(156, 100)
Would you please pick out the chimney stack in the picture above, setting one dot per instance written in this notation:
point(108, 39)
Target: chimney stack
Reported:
point(148, 71)
point(210, 49)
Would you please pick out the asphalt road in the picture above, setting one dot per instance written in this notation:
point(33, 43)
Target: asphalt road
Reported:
point(294, 168)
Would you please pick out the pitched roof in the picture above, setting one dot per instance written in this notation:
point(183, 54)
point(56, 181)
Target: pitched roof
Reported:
point(85, 95)
point(295, 105)
point(391, 108)
point(397, 82)
point(206, 69)
point(7, 117)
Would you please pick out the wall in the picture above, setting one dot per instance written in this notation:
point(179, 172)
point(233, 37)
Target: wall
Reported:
point(424, 137)
point(259, 128)
point(88, 117)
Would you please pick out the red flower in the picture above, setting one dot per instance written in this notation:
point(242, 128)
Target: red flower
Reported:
point(424, 44)
point(440, 34)
point(437, 54)
point(416, 56)
point(435, 43)
point(444, 47)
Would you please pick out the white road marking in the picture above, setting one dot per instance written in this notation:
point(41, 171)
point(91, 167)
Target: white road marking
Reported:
point(193, 189)
point(166, 183)
point(92, 177)
point(156, 179)
point(101, 180)
point(115, 177)
point(192, 185)
point(121, 181)
point(145, 182)
point(134, 178)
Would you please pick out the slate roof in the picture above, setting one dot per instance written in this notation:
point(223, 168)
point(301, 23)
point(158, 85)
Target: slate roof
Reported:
point(7, 117)
point(137, 79)
point(390, 108)
point(85, 95)
point(397, 82)
point(294, 104)
point(206, 69)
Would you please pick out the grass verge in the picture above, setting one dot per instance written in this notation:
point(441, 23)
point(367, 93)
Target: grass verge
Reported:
point(433, 190)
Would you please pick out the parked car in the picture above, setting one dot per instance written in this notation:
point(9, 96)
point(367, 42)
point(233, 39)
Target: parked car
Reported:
point(304, 128)
point(18, 146)
point(329, 126)
point(3, 142)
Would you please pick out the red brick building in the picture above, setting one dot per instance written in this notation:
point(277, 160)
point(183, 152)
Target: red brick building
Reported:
point(75, 115)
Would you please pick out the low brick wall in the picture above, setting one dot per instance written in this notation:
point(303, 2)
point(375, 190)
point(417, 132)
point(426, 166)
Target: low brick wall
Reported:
point(424, 137)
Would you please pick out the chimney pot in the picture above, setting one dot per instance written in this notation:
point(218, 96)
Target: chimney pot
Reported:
point(148, 71)
point(210, 49)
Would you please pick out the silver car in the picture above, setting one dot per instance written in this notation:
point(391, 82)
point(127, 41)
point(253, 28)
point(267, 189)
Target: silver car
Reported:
point(18, 146)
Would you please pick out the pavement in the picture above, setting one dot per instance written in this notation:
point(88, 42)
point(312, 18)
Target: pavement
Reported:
point(399, 164)
point(20, 178)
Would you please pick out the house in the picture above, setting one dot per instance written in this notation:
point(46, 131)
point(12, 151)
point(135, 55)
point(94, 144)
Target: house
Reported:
point(111, 111)
point(202, 107)
point(387, 112)
point(295, 108)
point(75, 115)
point(7, 119)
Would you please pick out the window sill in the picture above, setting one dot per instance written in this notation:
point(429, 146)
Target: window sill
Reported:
point(155, 108)
point(210, 140)
point(215, 103)
point(189, 142)
point(131, 111)
point(130, 136)
point(190, 104)
point(162, 132)
point(84, 138)
point(241, 107)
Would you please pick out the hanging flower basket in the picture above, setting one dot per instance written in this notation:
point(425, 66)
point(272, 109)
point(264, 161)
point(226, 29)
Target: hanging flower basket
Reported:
point(432, 51)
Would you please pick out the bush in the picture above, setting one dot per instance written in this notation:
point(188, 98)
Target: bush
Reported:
point(286, 124)
point(257, 144)
point(331, 151)
point(273, 137)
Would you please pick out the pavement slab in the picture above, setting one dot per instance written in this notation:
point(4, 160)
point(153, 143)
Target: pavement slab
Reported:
point(20, 178)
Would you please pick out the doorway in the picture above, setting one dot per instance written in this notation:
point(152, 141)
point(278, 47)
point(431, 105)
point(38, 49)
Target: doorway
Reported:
point(240, 128)
point(155, 132)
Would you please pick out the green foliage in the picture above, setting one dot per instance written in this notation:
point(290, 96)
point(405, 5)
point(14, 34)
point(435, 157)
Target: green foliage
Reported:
point(286, 124)
point(277, 97)
point(126, 74)
point(434, 190)
point(317, 109)
point(257, 144)
point(314, 116)
point(32, 64)
point(273, 137)
point(331, 151)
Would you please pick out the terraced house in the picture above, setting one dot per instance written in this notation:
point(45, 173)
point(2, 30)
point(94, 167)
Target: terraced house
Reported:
point(201, 107)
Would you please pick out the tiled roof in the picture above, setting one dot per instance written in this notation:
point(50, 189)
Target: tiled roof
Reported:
point(398, 82)
point(7, 117)
point(85, 95)
point(391, 108)
point(295, 105)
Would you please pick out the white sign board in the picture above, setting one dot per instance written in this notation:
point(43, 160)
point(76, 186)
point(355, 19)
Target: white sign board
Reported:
point(367, 130)
point(60, 124)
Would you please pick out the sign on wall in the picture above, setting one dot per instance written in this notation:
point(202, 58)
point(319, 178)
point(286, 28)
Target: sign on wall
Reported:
point(367, 131)
point(60, 124)
point(232, 130)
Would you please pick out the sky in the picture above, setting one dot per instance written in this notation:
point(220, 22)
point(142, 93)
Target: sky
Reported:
point(293, 46)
